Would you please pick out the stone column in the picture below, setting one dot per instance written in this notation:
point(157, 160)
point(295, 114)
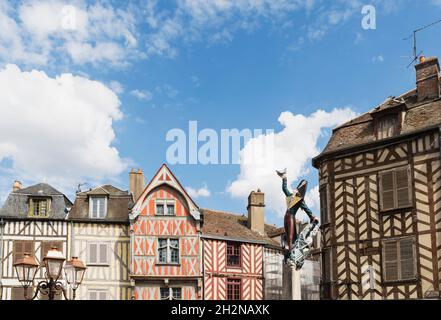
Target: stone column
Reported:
point(291, 283)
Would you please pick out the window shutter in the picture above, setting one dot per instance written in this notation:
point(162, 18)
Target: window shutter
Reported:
point(92, 295)
point(390, 261)
point(103, 295)
point(402, 186)
point(103, 253)
point(93, 248)
point(387, 190)
point(407, 259)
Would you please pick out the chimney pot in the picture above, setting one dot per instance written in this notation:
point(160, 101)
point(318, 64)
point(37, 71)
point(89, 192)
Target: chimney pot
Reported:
point(17, 186)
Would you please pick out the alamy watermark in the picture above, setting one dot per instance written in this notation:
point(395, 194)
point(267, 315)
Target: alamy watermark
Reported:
point(369, 21)
point(210, 147)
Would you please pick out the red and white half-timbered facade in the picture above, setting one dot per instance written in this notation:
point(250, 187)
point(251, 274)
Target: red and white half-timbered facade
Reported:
point(165, 241)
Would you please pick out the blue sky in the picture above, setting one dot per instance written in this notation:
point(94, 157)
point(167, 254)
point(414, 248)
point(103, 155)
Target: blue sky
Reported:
point(142, 68)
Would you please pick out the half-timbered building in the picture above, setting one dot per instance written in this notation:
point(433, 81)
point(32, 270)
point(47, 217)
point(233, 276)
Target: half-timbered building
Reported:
point(380, 191)
point(240, 260)
point(165, 241)
point(99, 235)
point(32, 220)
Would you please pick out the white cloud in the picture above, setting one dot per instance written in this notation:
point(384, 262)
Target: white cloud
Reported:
point(42, 31)
point(292, 148)
point(198, 193)
point(378, 59)
point(142, 94)
point(117, 87)
point(57, 129)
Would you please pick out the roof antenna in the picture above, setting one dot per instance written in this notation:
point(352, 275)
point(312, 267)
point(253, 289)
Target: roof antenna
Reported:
point(414, 36)
point(80, 185)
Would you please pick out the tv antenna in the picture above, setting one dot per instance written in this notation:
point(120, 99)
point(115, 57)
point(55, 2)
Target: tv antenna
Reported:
point(414, 36)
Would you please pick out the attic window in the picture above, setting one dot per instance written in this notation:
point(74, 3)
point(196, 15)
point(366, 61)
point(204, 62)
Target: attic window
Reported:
point(39, 207)
point(387, 126)
point(98, 207)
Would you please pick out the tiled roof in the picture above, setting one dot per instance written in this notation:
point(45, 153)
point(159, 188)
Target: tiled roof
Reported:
point(227, 225)
point(360, 130)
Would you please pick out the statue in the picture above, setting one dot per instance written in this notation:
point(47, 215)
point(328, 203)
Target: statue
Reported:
point(298, 245)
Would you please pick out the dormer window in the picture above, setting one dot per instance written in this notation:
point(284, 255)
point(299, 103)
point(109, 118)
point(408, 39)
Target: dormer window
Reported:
point(97, 207)
point(39, 207)
point(387, 126)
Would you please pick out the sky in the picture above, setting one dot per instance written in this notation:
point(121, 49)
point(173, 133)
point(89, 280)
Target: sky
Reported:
point(90, 89)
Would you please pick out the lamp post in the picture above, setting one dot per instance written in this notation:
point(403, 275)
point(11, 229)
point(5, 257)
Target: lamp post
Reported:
point(27, 268)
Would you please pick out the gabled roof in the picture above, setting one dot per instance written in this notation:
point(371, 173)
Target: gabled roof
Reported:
point(16, 205)
point(165, 176)
point(230, 226)
point(119, 203)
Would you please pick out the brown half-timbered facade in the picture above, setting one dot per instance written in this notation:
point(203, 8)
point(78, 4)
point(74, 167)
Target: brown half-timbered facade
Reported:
point(32, 220)
point(380, 191)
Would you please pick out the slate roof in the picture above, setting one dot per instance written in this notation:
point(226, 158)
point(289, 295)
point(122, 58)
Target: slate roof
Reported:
point(16, 205)
point(418, 116)
point(231, 226)
point(119, 204)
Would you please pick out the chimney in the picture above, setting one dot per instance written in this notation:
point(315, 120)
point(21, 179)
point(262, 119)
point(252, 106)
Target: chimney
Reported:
point(136, 182)
point(16, 186)
point(427, 78)
point(256, 211)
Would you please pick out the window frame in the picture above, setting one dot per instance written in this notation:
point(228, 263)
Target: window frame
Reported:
point(169, 251)
point(170, 293)
point(165, 203)
point(397, 241)
point(14, 249)
point(91, 198)
point(31, 208)
point(98, 253)
point(236, 244)
point(98, 291)
point(234, 282)
point(394, 189)
point(382, 119)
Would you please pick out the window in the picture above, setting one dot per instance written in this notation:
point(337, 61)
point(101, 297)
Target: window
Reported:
point(47, 245)
point(98, 253)
point(168, 251)
point(399, 259)
point(98, 294)
point(395, 189)
point(387, 126)
point(233, 289)
point(233, 254)
point(17, 293)
point(98, 207)
point(39, 207)
point(22, 247)
point(171, 293)
point(165, 207)
point(324, 209)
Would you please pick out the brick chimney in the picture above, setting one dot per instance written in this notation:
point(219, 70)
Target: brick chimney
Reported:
point(16, 186)
point(136, 182)
point(427, 78)
point(256, 211)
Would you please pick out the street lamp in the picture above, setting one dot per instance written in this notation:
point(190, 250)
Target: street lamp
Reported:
point(27, 268)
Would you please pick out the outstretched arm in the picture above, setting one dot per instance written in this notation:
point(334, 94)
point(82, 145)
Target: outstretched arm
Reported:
point(285, 188)
point(307, 210)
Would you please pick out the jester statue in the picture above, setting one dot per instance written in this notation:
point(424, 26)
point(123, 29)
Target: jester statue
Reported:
point(298, 245)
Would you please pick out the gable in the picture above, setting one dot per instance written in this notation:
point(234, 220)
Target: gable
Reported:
point(164, 181)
